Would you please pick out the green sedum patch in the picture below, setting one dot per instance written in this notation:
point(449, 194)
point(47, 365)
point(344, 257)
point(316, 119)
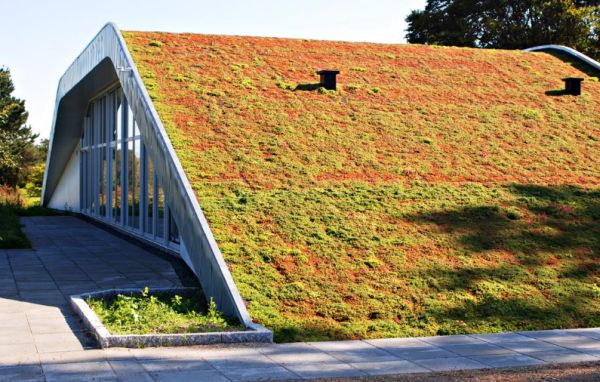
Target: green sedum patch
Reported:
point(154, 313)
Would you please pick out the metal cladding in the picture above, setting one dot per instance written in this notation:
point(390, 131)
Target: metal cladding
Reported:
point(103, 62)
point(570, 51)
point(328, 78)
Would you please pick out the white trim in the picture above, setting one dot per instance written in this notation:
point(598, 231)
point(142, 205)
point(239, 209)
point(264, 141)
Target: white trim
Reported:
point(203, 254)
point(570, 51)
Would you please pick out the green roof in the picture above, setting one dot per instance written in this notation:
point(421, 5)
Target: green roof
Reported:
point(438, 190)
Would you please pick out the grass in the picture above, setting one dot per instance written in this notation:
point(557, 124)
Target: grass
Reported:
point(13, 204)
point(458, 197)
point(161, 312)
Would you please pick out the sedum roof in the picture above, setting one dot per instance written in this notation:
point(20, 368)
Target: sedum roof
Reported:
point(439, 190)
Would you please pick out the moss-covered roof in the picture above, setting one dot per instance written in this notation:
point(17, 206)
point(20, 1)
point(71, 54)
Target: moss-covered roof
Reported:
point(439, 190)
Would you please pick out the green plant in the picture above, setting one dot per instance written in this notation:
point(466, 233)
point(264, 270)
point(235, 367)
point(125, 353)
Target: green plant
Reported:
point(160, 313)
point(155, 43)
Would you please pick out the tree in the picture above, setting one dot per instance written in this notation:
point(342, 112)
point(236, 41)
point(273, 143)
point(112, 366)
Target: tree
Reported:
point(508, 24)
point(16, 139)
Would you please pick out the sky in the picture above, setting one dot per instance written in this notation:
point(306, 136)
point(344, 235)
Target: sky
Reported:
point(39, 39)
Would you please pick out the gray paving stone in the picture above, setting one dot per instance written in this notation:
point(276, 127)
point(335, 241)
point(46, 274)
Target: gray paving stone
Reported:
point(415, 354)
point(25, 373)
point(277, 373)
point(325, 370)
point(78, 371)
point(531, 346)
point(446, 364)
point(510, 360)
point(130, 371)
point(564, 356)
point(18, 354)
point(57, 342)
point(16, 338)
point(36, 286)
point(248, 362)
point(353, 351)
point(588, 332)
point(54, 325)
point(90, 355)
point(388, 367)
point(189, 375)
point(476, 349)
point(175, 364)
point(296, 352)
point(452, 340)
point(400, 344)
point(503, 337)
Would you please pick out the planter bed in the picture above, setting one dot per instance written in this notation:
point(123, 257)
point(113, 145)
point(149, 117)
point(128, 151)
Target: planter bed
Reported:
point(251, 333)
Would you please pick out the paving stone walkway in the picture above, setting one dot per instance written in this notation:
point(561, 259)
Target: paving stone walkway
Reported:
point(41, 339)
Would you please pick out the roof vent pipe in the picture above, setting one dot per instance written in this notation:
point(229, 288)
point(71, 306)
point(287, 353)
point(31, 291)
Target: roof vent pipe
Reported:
point(573, 85)
point(328, 80)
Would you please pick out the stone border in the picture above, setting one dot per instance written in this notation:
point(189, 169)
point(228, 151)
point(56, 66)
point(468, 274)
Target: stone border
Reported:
point(254, 333)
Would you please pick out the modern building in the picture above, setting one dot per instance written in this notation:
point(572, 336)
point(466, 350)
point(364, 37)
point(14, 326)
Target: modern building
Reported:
point(152, 131)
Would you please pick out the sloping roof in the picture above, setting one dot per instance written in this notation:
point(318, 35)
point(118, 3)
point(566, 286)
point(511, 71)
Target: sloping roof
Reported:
point(354, 213)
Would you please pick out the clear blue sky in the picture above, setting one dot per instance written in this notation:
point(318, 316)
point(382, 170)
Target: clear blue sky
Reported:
point(39, 39)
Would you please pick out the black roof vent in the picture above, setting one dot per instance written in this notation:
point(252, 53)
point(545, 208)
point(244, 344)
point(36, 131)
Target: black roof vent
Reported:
point(328, 80)
point(573, 85)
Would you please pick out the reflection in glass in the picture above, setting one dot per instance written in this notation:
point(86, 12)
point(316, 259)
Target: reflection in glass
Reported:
point(160, 213)
point(150, 194)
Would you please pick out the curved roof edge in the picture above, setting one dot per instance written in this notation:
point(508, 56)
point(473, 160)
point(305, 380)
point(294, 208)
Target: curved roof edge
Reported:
point(108, 50)
point(570, 51)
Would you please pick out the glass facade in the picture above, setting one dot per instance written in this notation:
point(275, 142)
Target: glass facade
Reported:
point(118, 181)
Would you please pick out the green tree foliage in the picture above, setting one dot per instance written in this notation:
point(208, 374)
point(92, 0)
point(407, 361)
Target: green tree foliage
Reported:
point(17, 151)
point(508, 24)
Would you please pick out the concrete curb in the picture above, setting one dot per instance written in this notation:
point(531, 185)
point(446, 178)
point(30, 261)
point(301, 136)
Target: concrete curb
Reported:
point(254, 334)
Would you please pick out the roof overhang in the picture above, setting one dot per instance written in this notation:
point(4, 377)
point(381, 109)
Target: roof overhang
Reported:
point(103, 62)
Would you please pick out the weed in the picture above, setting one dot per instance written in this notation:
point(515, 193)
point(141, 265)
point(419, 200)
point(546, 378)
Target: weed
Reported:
point(155, 43)
point(160, 313)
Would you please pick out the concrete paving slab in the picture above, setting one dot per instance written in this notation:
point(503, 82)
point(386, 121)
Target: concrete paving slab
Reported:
point(130, 371)
point(277, 373)
point(400, 344)
point(510, 360)
point(90, 355)
point(79, 371)
point(452, 340)
point(18, 354)
point(476, 349)
point(447, 364)
point(57, 342)
point(25, 373)
point(432, 353)
point(353, 351)
point(325, 370)
point(296, 353)
point(189, 375)
point(16, 338)
point(588, 332)
point(388, 367)
point(250, 362)
point(503, 337)
point(564, 356)
point(54, 325)
point(36, 286)
point(531, 346)
point(174, 364)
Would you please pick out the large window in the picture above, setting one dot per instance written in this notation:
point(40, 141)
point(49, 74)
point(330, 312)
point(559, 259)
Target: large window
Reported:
point(119, 184)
